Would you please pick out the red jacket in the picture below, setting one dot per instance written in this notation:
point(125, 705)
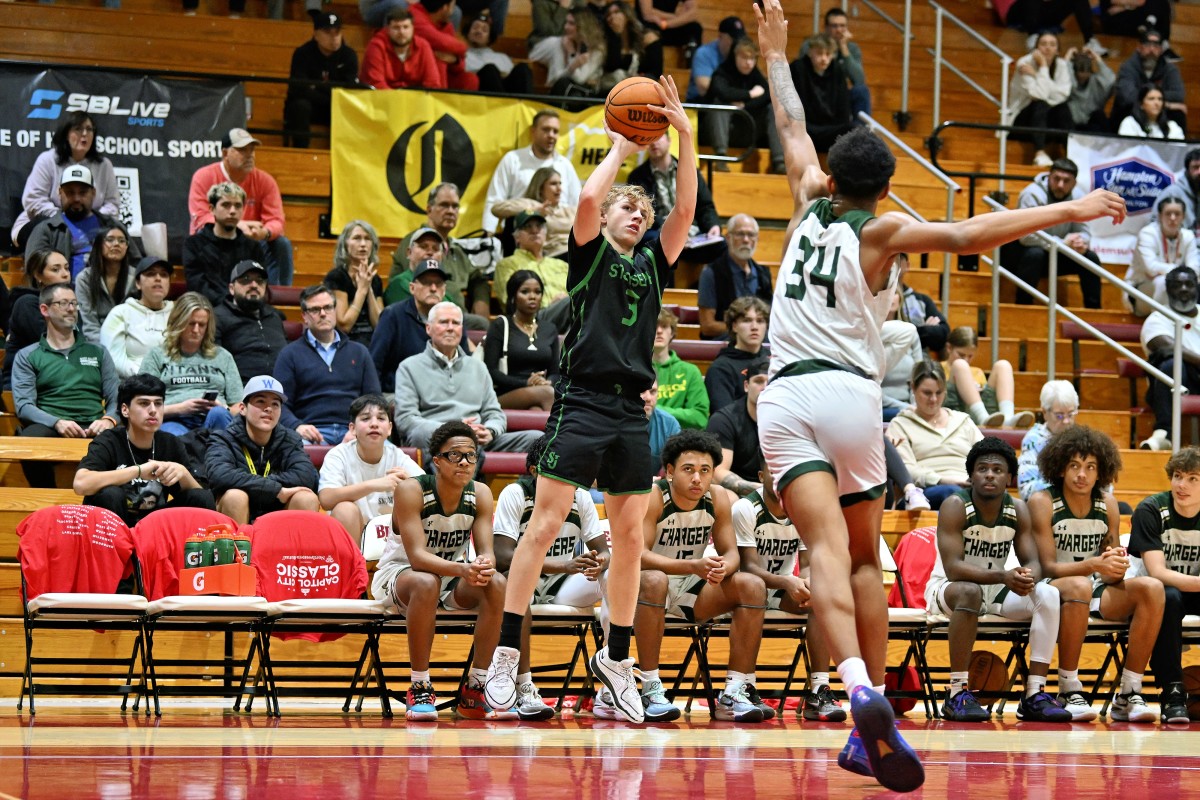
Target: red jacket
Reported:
point(443, 40)
point(382, 69)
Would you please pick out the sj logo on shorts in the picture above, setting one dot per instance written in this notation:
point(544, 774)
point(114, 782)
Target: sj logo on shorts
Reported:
point(551, 459)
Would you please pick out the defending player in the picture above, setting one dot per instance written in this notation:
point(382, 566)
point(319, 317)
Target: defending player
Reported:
point(770, 548)
point(679, 578)
point(597, 428)
point(819, 419)
point(1077, 527)
point(573, 573)
point(424, 566)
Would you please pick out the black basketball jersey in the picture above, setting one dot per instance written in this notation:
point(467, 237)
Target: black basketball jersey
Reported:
point(615, 300)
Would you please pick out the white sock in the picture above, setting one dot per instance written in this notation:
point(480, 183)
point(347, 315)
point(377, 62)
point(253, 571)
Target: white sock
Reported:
point(819, 679)
point(1130, 681)
point(420, 676)
point(1007, 408)
point(733, 680)
point(1035, 684)
point(752, 679)
point(650, 675)
point(854, 674)
point(880, 689)
point(958, 682)
point(478, 675)
point(978, 412)
point(524, 678)
point(1068, 681)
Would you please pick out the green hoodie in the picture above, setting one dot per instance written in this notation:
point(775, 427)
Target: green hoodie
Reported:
point(681, 392)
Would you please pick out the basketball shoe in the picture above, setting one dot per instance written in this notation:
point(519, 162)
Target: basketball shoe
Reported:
point(734, 706)
point(1174, 705)
point(1042, 707)
point(530, 706)
point(1076, 703)
point(657, 708)
point(421, 702)
point(756, 699)
point(603, 707)
point(617, 677)
point(963, 707)
point(854, 756)
point(823, 706)
point(893, 762)
point(1132, 707)
point(500, 686)
point(473, 705)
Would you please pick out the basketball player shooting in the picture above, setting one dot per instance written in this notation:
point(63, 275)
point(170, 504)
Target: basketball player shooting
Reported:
point(820, 417)
point(597, 428)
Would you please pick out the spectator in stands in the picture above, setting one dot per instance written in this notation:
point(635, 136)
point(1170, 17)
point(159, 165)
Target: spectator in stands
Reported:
point(733, 275)
point(922, 311)
point(681, 391)
point(629, 49)
point(402, 329)
point(249, 327)
point(210, 253)
point(137, 468)
point(496, 9)
point(747, 319)
point(677, 23)
point(320, 62)
point(662, 427)
point(1035, 16)
point(1148, 120)
point(1029, 259)
point(736, 428)
point(71, 230)
point(1162, 245)
point(902, 349)
point(442, 384)
point(496, 71)
point(529, 230)
point(1092, 83)
point(375, 12)
point(1186, 187)
point(262, 217)
point(709, 56)
point(322, 372)
point(573, 57)
point(989, 400)
point(549, 19)
point(27, 324)
point(431, 22)
point(656, 175)
point(105, 282)
point(1037, 97)
point(1148, 65)
point(62, 386)
point(933, 440)
point(1131, 17)
point(203, 383)
point(73, 143)
point(521, 351)
point(544, 196)
point(1060, 404)
point(1158, 340)
point(256, 466)
point(823, 87)
point(516, 167)
point(739, 82)
point(355, 281)
point(467, 285)
point(137, 326)
point(396, 58)
point(849, 57)
point(359, 477)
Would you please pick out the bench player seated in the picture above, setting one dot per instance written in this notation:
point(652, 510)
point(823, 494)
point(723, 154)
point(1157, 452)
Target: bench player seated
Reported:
point(977, 527)
point(425, 566)
point(1077, 527)
point(770, 548)
point(680, 579)
point(572, 574)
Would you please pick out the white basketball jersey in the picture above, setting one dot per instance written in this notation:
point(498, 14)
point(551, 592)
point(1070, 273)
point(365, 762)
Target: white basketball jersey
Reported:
point(823, 310)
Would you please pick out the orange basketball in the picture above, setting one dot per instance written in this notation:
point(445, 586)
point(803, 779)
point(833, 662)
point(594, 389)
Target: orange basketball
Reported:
point(1191, 685)
point(627, 110)
point(988, 675)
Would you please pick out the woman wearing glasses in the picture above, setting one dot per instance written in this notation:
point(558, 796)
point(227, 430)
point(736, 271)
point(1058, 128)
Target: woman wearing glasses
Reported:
point(1060, 404)
point(73, 143)
point(26, 324)
point(136, 327)
point(105, 282)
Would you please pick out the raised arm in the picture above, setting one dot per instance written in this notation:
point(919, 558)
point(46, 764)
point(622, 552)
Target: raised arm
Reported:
point(591, 196)
point(674, 234)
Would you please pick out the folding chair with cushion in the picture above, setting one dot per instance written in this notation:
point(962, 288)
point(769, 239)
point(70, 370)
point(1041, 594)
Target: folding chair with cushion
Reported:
point(160, 539)
point(314, 578)
point(72, 559)
point(907, 618)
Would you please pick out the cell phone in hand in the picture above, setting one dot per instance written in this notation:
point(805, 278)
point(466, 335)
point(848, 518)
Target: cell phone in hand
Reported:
point(211, 396)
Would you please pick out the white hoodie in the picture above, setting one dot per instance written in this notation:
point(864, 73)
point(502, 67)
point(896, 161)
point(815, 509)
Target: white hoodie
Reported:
point(130, 331)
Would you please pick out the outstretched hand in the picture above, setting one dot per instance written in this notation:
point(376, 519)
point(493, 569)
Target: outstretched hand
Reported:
point(671, 108)
point(1102, 203)
point(772, 29)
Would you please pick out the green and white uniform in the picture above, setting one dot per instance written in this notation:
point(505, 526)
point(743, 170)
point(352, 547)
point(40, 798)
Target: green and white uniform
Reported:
point(683, 535)
point(986, 544)
point(773, 537)
point(1079, 538)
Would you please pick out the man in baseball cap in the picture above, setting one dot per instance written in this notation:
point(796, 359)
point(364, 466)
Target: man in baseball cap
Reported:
point(72, 230)
point(401, 332)
point(324, 61)
point(256, 466)
point(248, 326)
point(709, 56)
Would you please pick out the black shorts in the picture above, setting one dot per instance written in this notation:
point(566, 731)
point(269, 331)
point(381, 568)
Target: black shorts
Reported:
point(598, 437)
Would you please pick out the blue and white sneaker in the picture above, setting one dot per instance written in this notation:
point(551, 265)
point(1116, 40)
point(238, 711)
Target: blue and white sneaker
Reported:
point(893, 762)
point(854, 756)
point(657, 707)
point(735, 706)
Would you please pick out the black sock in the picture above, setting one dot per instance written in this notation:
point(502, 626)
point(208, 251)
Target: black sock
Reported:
point(618, 641)
point(510, 630)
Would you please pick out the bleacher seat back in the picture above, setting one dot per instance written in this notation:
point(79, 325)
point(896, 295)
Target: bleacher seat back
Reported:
point(160, 537)
point(73, 548)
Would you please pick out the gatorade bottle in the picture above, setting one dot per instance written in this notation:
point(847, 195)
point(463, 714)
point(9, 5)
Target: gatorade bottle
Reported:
point(192, 556)
point(225, 551)
point(242, 540)
point(207, 548)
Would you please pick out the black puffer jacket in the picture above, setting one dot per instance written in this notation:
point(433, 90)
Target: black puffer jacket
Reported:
point(253, 339)
point(284, 453)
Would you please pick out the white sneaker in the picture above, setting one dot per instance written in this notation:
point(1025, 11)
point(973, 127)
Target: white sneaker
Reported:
point(1075, 702)
point(1158, 441)
point(1042, 159)
point(1095, 46)
point(1132, 707)
point(1021, 419)
point(530, 705)
point(500, 686)
point(617, 677)
point(915, 499)
point(603, 707)
point(993, 421)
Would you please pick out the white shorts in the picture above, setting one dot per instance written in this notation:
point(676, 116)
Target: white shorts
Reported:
point(384, 584)
point(993, 597)
point(570, 590)
point(682, 591)
point(829, 421)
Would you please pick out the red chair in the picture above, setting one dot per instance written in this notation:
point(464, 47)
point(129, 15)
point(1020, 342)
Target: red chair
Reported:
point(72, 560)
point(292, 329)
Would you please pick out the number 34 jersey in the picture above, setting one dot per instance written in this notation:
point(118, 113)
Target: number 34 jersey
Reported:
point(823, 309)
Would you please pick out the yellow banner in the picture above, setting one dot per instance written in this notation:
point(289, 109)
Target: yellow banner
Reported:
point(389, 148)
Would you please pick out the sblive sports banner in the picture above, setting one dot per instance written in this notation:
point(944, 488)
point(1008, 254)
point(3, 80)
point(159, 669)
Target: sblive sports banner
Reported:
point(1139, 170)
point(391, 147)
point(155, 132)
